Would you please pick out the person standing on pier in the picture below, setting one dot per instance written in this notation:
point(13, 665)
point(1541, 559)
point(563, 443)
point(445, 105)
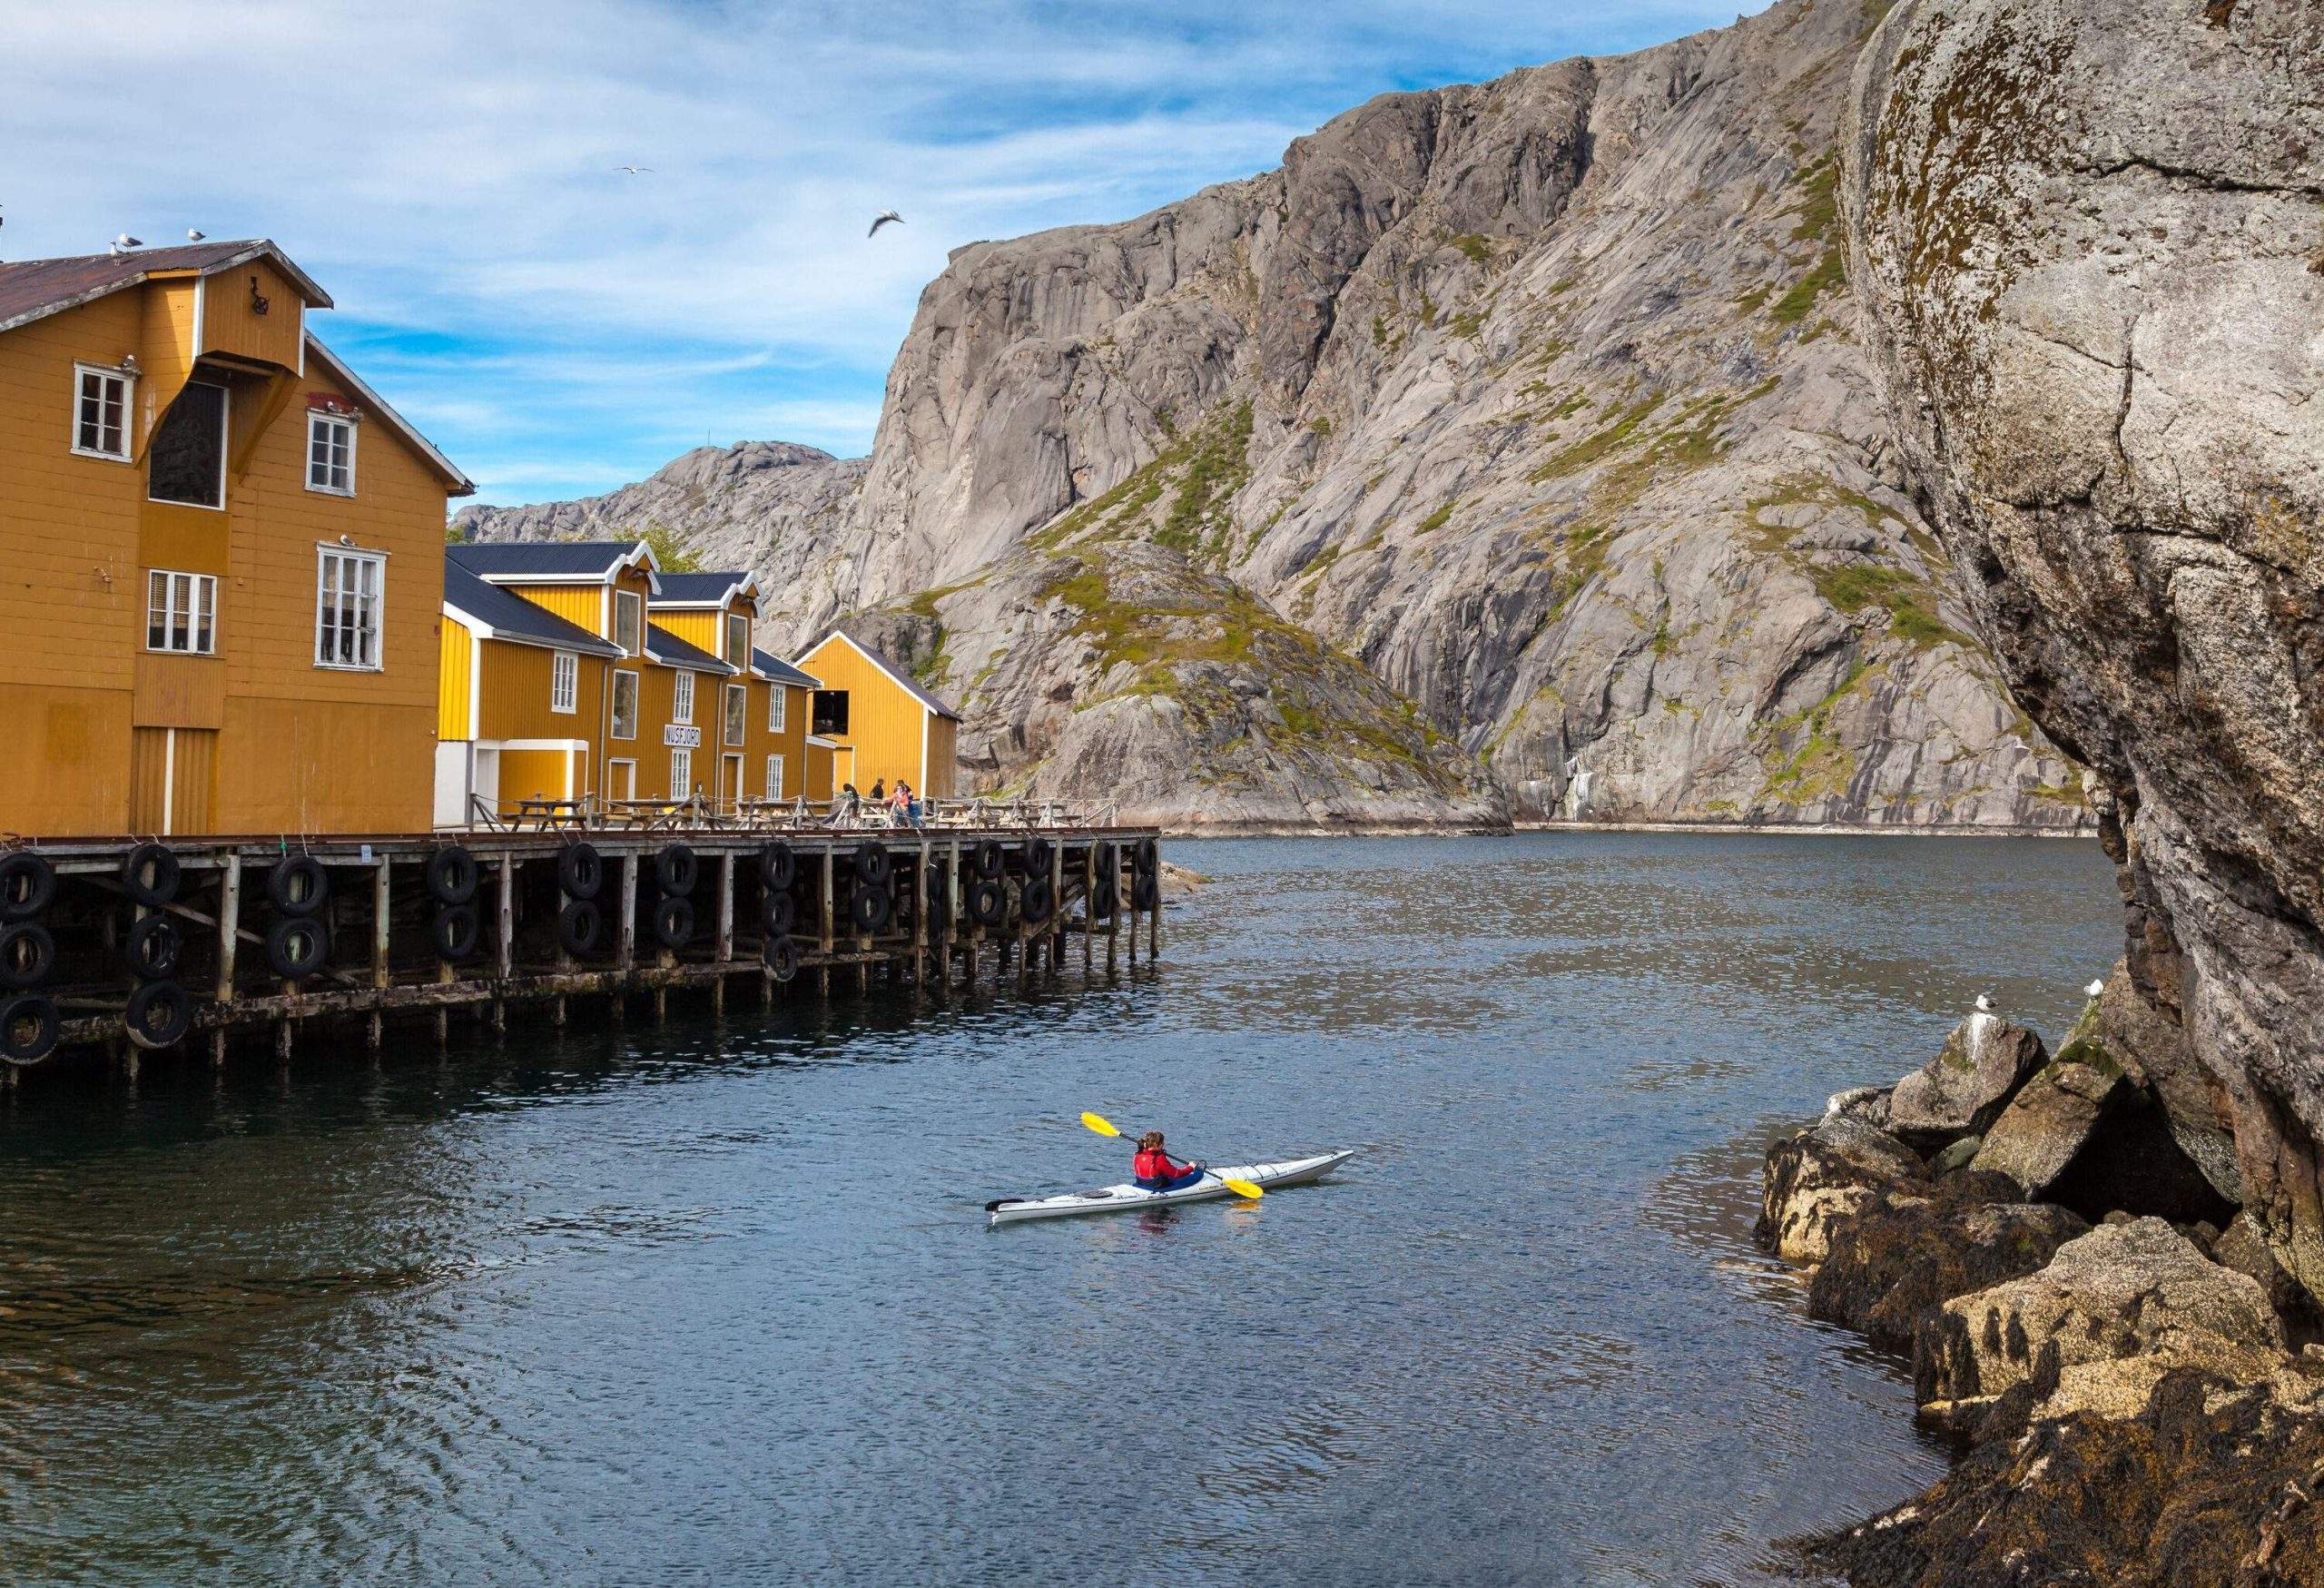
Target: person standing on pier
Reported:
point(1153, 1169)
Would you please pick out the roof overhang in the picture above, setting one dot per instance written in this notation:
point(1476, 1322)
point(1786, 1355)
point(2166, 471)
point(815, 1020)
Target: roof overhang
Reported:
point(264, 248)
point(456, 484)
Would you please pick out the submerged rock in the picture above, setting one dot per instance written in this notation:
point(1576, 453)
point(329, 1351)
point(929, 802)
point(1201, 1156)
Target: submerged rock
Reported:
point(1963, 1091)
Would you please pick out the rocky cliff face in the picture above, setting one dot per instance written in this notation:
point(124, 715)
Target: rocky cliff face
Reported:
point(2089, 235)
point(1537, 402)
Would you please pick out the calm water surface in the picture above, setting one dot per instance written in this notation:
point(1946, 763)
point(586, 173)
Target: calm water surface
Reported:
point(717, 1304)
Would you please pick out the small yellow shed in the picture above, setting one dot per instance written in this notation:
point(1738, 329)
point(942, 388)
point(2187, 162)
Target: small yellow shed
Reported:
point(882, 724)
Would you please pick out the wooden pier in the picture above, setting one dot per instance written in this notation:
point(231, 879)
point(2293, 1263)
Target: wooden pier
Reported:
point(125, 947)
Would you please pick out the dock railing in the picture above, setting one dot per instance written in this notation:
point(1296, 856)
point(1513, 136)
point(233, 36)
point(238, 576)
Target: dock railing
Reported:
point(699, 812)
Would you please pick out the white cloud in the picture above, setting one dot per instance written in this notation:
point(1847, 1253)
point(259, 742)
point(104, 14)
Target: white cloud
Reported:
point(446, 168)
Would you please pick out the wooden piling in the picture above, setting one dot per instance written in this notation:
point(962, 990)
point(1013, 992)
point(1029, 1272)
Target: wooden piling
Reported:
point(823, 930)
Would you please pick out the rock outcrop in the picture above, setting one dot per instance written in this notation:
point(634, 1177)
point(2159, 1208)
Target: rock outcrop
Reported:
point(1963, 1089)
point(1537, 400)
point(2088, 237)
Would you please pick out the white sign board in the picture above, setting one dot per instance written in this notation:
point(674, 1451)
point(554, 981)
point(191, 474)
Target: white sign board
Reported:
point(679, 737)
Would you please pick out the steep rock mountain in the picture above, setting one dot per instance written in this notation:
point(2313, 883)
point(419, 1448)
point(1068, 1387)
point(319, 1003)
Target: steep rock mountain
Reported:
point(1537, 400)
point(2089, 236)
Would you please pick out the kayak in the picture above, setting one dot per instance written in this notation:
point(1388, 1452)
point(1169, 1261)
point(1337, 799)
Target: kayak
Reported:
point(1291, 1171)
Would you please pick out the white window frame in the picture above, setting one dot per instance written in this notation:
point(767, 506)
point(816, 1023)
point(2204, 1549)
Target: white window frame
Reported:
point(742, 648)
point(682, 699)
point(564, 682)
point(681, 773)
point(316, 420)
point(614, 729)
point(777, 707)
point(735, 721)
point(376, 660)
point(775, 777)
point(128, 384)
point(633, 605)
point(225, 446)
point(192, 596)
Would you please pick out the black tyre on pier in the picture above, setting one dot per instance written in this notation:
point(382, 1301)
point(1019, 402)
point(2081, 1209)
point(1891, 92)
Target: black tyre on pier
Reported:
point(298, 885)
point(30, 1028)
point(869, 908)
point(1145, 890)
point(778, 866)
point(149, 875)
point(989, 857)
point(456, 932)
point(1036, 902)
point(781, 958)
point(1040, 855)
point(152, 948)
point(159, 1014)
point(778, 915)
point(297, 946)
point(676, 870)
point(27, 884)
point(453, 875)
point(1146, 858)
point(580, 871)
point(579, 925)
point(673, 920)
point(871, 862)
point(28, 955)
point(988, 906)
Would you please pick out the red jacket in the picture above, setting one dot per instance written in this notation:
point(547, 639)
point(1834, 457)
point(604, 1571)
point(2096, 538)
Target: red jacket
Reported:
point(1153, 1166)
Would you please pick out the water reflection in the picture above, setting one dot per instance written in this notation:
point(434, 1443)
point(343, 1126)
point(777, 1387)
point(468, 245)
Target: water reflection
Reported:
point(716, 1301)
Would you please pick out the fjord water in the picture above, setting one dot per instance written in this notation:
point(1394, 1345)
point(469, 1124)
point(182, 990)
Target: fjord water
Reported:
point(716, 1303)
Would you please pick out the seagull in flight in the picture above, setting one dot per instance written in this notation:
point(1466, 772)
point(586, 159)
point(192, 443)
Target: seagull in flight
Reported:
point(636, 170)
point(885, 218)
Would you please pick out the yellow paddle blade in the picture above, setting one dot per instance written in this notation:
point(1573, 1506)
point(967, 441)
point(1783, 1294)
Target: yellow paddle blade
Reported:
point(1100, 1124)
point(1243, 1188)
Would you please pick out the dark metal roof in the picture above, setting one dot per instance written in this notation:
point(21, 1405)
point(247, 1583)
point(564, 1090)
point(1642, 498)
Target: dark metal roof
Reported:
point(900, 676)
point(31, 287)
point(542, 559)
point(662, 645)
point(510, 617)
point(679, 588)
point(782, 672)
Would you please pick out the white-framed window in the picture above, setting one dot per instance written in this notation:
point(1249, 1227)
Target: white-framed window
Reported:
point(738, 713)
point(775, 777)
point(563, 681)
point(738, 639)
point(101, 412)
point(682, 699)
point(624, 704)
point(181, 612)
point(348, 588)
point(330, 454)
point(186, 463)
point(776, 695)
point(629, 621)
point(681, 773)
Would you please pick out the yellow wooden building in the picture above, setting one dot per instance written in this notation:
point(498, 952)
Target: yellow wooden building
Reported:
point(882, 725)
point(221, 594)
point(673, 701)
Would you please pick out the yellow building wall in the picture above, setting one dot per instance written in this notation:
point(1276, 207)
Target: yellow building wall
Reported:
point(583, 605)
point(942, 770)
point(454, 671)
point(883, 720)
point(819, 783)
point(231, 322)
point(513, 702)
point(300, 748)
point(552, 775)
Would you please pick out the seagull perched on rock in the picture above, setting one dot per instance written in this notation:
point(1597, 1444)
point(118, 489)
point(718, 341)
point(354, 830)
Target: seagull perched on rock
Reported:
point(885, 217)
point(1986, 1003)
point(2097, 986)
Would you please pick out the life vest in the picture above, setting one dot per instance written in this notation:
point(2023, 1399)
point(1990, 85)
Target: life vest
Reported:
point(1153, 1166)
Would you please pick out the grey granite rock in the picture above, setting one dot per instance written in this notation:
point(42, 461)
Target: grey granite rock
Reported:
point(1963, 1091)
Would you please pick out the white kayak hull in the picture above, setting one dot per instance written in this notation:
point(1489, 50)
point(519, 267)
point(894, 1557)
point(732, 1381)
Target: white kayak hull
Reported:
point(1126, 1199)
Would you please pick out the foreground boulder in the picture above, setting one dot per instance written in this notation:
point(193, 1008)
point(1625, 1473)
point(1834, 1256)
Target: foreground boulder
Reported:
point(1892, 1261)
point(1820, 1177)
point(2047, 1124)
point(2113, 1311)
point(1963, 1091)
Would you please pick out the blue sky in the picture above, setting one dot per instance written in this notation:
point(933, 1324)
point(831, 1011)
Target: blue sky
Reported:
point(446, 168)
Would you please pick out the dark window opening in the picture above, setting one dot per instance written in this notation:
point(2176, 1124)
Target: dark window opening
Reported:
point(189, 449)
point(830, 711)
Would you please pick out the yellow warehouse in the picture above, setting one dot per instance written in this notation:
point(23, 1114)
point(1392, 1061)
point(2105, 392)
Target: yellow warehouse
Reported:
point(882, 725)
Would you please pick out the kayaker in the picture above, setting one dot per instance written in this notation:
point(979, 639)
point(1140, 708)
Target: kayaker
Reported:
point(1153, 1169)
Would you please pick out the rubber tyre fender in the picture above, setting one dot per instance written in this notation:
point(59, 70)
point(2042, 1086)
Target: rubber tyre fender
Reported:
point(1144, 856)
point(1036, 901)
point(29, 1028)
point(871, 862)
point(28, 955)
point(1040, 855)
point(1107, 899)
point(297, 946)
point(453, 874)
point(456, 932)
point(676, 870)
point(27, 884)
point(1143, 892)
point(778, 867)
point(579, 925)
point(778, 915)
point(298, 885)
point(674, 921)
point(152, 948)
point(158, 887)
point(781, 958)
point(580, 871)
point(987, 903)
point(989, 857)
point(869, 908)
point(159, 1014)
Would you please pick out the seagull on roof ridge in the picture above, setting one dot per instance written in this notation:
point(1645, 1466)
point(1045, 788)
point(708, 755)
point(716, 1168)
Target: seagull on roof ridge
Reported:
point(124, 242)
point(192, 235)
point(885, 217)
